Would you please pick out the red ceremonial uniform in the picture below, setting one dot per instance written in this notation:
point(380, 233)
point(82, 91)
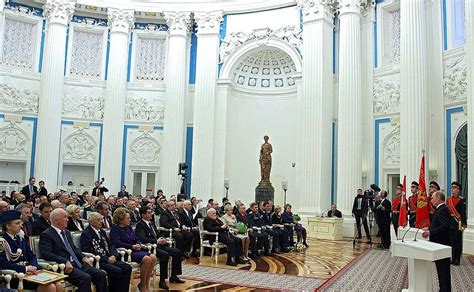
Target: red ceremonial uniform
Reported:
point(413, 200)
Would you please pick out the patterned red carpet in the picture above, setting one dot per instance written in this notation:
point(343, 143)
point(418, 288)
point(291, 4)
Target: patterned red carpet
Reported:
point(377, 270)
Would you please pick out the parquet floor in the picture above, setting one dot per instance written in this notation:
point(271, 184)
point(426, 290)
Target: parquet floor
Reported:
point(321, 260)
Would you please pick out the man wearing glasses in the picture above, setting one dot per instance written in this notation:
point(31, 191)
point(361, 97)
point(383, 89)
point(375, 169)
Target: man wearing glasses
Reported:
point(412, 202)
point(457, 208)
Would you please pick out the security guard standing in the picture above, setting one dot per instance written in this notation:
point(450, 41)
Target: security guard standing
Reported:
point(457, 207)
point(257, 224)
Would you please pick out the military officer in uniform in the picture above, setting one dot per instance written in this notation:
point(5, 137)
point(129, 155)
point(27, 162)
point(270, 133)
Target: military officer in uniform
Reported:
point(396, 204)
point(433, 188)
point(457, 208)
point(282, 233)
point(412, 203)
point(257, 224)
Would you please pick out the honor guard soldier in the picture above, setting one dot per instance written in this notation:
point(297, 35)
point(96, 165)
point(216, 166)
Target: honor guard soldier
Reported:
point(396, 204)
point(257, 224)
point(433, 188)
point(457, 208)
point(412, 203)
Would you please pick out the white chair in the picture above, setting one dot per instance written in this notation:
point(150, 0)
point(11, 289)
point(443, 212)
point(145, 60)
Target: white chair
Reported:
point(169, 238)
point(215, 247)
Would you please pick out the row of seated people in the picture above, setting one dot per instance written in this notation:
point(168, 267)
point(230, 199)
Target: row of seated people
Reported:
point(56, 244)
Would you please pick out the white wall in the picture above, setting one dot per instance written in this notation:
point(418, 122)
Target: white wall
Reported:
point(250, 117)
point(78, 174)
point(272, 18)
point(13, 171)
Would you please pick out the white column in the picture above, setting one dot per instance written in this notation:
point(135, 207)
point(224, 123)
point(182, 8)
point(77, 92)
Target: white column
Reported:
point(413, 88)
point(58, 14)
point(120, 23)
point(349, 148)
point(174, 123)
point(204, 99)
point(434, 33)
point(220, 131)
point(367, 49)
point(469, 233)
point(315, 109)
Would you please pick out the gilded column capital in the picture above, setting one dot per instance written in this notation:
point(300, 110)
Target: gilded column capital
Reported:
point(179, 23)
point(208, 22)
point(120, 20)
point(58, 11)
point(313, 10)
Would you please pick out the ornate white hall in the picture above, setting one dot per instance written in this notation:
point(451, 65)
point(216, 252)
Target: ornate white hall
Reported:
point(350, 92)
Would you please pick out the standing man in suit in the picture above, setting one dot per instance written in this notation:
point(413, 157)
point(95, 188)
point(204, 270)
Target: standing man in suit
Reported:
point(170, 220)
point(457, 208)
point(334, 212)
point(103, 209)
point(147, 233)
point(30, 189)
point(123, 192)
point(42, 191)
point(383, 208)
point(439, 232)
point(56, 244)
point(359, 211)
point(186, 218)
point(43, 222)
point(94, 240)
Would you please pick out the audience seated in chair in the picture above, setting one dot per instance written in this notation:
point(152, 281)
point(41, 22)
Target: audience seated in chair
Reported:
point(94, 240)
point(287, 217)
point(122, 235)
point(234, 244)
point(169, 219)
point(186, 219)
point(56, 244)
point(18, 252)
point(147, 233)
point(258, 226)
point(231, 221)
point(104, 210)
point(74, 223)
point(43, 222)
point(283, 234)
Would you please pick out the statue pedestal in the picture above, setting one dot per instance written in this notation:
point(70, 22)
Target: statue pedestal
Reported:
point(264, 192)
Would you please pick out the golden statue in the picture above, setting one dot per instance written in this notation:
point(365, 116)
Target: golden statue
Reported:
point(265, 161)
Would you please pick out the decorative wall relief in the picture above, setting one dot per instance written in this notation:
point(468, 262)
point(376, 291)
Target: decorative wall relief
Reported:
point(18, 100)
point(232, 41)
point(386, 96)
point(13, 141)
point(394, 28)
point(144, 149)
point(19, 40)
point(83, 107)
point(79, 146)
point(142, 109)
point(455, 84)
point(391, 150)
point(86, 55)
point(151, 55)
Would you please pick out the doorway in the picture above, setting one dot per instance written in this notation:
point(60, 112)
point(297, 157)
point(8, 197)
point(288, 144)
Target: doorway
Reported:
point(392, 182)
point(144, 182)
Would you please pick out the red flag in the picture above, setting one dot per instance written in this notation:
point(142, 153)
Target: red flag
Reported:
point(423, 209)
point(402, 218)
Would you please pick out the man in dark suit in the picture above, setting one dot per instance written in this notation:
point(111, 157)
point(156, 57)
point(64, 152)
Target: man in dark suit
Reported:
point(25, 217)
point(169, 219)
point(30, 189)
point(186, 219)
point(42, 191)
point(439, 232)
point(99, 188)
point(43, 222)
point(56, 244)
point(359, 211)
point(134, 214)
point(147, 233)
point(233, 243)
point(103, 209)
point(123, 192)
point(94, 240)
point(334, 212)
point(383, 208)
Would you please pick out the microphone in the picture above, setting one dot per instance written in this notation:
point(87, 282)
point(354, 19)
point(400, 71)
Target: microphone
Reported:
point(416, 233)
point(403, 237)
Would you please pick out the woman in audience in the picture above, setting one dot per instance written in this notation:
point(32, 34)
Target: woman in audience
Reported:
point(122, 235)
point(230, 219)
point(74, 215)
point(16, 254)
point(287, 218)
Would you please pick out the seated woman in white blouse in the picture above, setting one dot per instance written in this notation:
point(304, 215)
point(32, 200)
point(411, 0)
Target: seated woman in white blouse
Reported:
point(74, 223)
point(229, 219)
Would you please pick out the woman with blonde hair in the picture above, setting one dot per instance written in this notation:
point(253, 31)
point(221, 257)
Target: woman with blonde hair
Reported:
point(122, 235)
point(74, 223)
point(230, 219)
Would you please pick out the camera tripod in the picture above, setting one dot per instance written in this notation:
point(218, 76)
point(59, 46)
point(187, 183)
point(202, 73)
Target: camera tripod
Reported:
point(355, 238)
